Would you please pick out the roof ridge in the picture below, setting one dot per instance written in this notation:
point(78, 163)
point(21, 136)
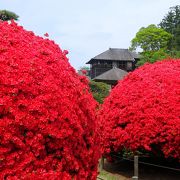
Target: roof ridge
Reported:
point(116, 54)
point(119, 48)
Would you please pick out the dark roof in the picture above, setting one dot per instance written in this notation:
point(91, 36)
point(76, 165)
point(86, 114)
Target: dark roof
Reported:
point(113, 74)
point(116, 54)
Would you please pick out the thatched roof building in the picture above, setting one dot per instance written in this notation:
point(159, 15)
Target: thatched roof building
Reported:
point(122, 60)
point(111, 76)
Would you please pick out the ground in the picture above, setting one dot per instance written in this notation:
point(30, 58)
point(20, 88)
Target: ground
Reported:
point(123, 170)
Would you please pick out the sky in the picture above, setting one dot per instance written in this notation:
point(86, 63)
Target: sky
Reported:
point(87, 28)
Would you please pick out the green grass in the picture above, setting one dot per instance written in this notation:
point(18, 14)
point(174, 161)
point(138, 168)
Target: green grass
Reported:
point(108, 176)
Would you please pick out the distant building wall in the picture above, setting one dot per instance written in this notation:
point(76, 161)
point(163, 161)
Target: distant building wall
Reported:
point(99, 67)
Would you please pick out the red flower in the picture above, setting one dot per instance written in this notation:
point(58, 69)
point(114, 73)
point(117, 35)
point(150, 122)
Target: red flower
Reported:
point(46, 35)
point(48, 125)
point(143, 111)
point(84, 72)
point(65, 52)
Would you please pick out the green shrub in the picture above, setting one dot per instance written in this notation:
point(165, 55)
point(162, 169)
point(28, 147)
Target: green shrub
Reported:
point(99, 90)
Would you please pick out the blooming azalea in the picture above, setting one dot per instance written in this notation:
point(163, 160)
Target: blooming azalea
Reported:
point(46, 35)
point(143, 111)
point(48, 125)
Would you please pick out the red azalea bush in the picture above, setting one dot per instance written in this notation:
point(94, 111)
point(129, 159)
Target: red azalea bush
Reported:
point(142, 112)
point(47, 116)
point(84, 72)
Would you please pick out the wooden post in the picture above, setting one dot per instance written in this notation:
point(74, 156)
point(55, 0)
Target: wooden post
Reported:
point(135, 177)
point(101, 164)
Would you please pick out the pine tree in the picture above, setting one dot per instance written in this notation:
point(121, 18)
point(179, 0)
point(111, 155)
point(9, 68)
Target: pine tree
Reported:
point(8, 15)
point(171, 24)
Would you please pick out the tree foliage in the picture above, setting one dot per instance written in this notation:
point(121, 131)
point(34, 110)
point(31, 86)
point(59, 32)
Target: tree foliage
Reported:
point(142, 112)
point(8, 15)
point(48, 123)
point(176, 39)
point(151, 38)
point(171, 24)
point(153, 56)
point(154, 42)
point(99, 90)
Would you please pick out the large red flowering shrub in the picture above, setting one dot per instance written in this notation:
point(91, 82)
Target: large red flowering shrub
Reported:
point(143, 111)
point(47, 116)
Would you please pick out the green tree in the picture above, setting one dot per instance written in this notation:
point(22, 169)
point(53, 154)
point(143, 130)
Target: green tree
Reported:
point(99, 90)
point(151, 38)
point(8, 15)
point(153, 56)
point(171, 23)
point(176, 39)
